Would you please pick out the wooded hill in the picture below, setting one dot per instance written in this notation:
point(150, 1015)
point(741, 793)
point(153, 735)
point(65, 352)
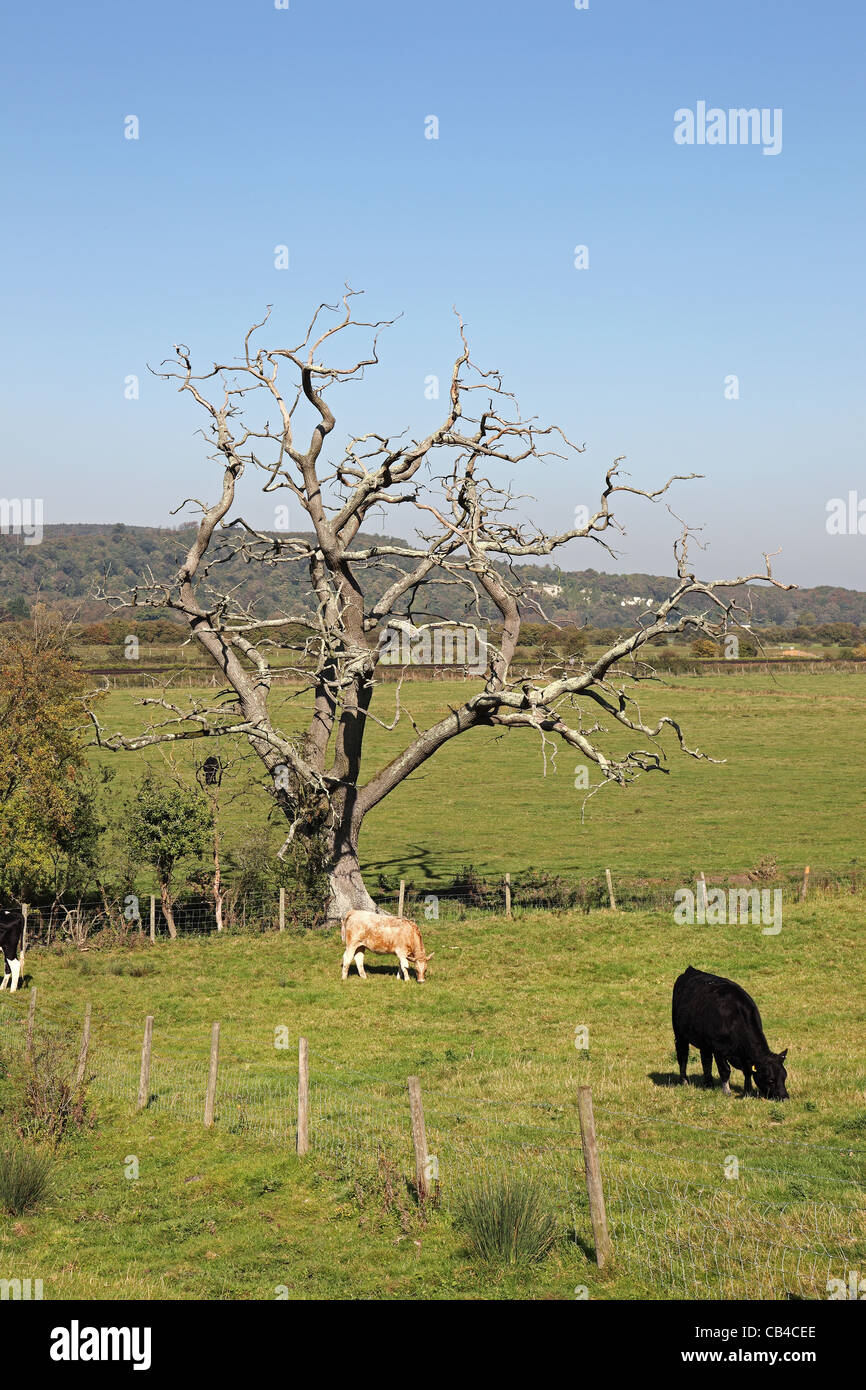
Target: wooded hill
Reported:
point(72, 560)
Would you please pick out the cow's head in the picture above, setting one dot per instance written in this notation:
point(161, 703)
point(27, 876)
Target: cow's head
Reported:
point(421, 966)
point(770, 1076)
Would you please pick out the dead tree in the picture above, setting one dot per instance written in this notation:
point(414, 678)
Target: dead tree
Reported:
point(455, 484)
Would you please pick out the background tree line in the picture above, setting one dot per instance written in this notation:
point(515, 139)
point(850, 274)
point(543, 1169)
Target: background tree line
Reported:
point(63, 568)
point(67, 833)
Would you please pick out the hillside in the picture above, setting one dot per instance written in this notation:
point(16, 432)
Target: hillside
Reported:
point(72, 559)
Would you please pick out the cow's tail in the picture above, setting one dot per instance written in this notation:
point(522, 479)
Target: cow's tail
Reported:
point(343, 930)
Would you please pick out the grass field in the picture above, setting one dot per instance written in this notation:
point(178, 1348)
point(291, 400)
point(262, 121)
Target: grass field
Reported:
point(787, 788)
point(232, 1212)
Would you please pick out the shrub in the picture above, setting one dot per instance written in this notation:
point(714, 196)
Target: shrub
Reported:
point(24, 1180)
point(539, 889)
point(531, 888)
point(765, 870)
point(45, 1099)
point(257, 873)
point(478, 892)
point(505, 1217)
point(164, 824)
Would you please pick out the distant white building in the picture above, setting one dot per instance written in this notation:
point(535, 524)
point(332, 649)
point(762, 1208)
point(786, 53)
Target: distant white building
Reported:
point(551, 590)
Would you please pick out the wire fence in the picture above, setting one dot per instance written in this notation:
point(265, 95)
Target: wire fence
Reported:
point(155, 672)
point(136, 915)
point(695, 1210)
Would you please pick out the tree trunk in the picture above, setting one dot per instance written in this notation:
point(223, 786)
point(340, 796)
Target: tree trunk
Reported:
point(217, 882)
point(167, 909)
point(346, 882)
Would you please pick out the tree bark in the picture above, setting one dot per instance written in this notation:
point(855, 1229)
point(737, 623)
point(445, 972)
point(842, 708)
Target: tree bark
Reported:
point(218, 898)
point(216, 885)
point(168, 909)
point(346, 882)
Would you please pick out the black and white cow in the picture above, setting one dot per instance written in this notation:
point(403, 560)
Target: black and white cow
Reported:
point(11, 932)
point(721, 1020)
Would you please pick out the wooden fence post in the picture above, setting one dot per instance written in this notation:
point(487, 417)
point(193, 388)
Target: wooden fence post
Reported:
point(85, 1047)
point(210, 1098)
point(282, 909)
point(805, 887)
point(610, 890)
point(419, 1137)
point(402, 898)
point(303, 1097)
point(508, 895)
point(592, 1169)
point(31, 1020)
point(153, 917)
point(144, 1076)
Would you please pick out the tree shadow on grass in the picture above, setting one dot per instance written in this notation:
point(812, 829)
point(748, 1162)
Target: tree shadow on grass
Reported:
point(414, 858)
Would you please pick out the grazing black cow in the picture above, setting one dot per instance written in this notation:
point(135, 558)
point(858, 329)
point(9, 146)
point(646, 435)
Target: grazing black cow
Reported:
point(722, 1021)
point(11, 932)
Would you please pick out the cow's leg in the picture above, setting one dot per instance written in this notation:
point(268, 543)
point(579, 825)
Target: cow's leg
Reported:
point(747, 1081)
point(348, 957)
point(707, 1064)
point(724, 1073)
point(359, 962)
point(403, 968)
point(6, 975)
point(682, 1047)
point(15, 967)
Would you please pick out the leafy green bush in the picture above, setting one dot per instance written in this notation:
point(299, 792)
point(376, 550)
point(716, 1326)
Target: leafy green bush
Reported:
point(531, 888)
point(24, 1179)
point(257, 874)
point(389, 883)
point(505, 1217)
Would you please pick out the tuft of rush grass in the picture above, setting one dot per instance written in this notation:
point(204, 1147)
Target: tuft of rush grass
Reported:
point(505, 1217)
point(152, 1205)
point(25, 1179)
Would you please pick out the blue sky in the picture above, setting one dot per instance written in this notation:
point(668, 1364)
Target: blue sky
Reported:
point(305, 127)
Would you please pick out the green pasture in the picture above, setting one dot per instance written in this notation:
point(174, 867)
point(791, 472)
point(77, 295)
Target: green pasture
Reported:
point(233, 1213)
point(788, 786)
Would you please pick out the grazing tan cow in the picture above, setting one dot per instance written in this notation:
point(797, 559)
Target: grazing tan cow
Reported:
point(385, 935)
